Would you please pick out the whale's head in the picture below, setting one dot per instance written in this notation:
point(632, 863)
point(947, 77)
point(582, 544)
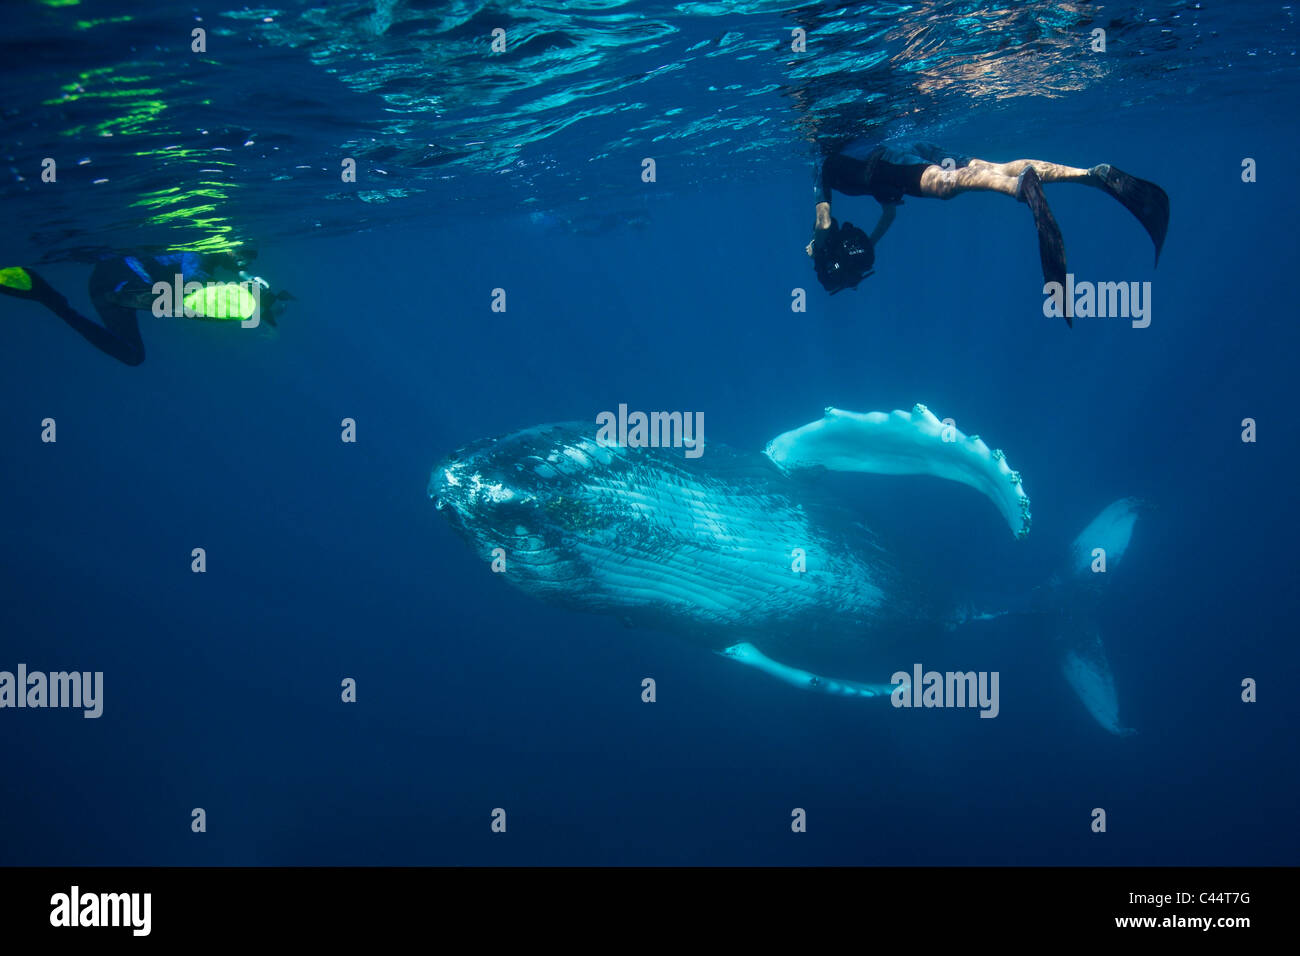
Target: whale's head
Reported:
point(536, 495)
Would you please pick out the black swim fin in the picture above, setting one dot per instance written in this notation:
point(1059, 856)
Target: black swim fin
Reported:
point(1051, 246)
point(1145, 200)
point(22, 283)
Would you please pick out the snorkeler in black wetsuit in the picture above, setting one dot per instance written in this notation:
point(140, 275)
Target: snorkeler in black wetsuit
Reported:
point(843, 254)
point(120, 287)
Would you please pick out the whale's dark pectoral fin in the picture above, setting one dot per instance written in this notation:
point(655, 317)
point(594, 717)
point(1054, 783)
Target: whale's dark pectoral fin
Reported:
point(750, 655)
point(1145, 200)
point(905, 443)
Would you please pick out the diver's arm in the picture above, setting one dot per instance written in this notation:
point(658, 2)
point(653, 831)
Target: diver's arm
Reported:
point(232, 263)
point(821, 226)
point(215, 262)
point(888, 211)
point(823, 221)
point(823, 216)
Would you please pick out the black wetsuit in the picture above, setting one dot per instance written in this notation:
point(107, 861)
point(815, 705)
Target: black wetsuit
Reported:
point(118, 289)
point(886, 173)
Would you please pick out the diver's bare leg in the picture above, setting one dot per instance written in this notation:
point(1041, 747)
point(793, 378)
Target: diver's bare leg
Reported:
point(1145, 200)
point(1047, 172)
point(982, 176)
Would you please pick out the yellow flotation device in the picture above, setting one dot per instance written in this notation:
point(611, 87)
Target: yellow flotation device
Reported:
point(222, 301)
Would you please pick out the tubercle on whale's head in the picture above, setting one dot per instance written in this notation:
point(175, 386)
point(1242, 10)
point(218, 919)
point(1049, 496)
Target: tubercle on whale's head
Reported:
point(525, 493)
point(474, 492)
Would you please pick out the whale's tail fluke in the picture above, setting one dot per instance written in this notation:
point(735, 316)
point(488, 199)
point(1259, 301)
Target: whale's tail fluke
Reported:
point(1093, 557)
point(1087, 671)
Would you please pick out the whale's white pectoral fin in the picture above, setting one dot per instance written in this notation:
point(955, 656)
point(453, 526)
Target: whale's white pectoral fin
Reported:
point(748, 654)
point(905, 443)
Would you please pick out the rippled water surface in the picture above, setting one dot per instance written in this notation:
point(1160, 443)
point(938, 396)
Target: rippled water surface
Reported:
point(205, 149)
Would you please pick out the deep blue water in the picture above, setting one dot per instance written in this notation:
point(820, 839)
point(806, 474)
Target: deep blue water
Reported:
point(327, 561)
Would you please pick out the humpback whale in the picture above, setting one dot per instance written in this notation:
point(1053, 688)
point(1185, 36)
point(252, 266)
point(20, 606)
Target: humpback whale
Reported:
point(743, 553)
